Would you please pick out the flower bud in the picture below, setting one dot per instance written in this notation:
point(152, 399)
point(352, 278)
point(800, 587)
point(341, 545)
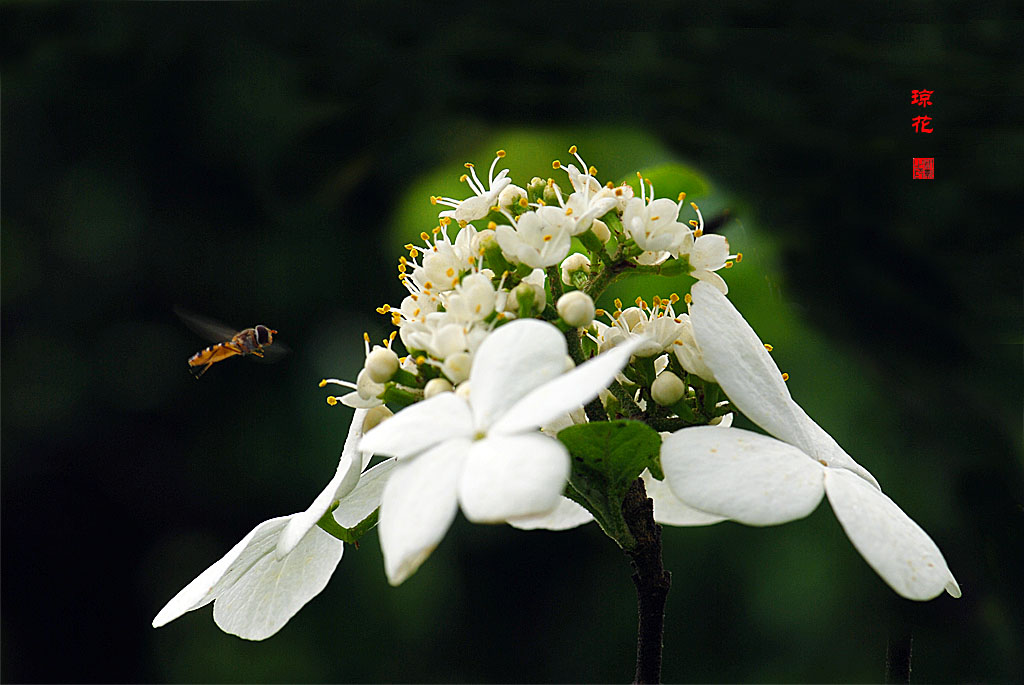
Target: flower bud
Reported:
point(381, 364)
point(368, 388)
point(576, 262)
point(667, 389)
point(511, 195)
point(576, 308)
point(525, 297)
point(463, 390)
point(456, 366)
point(375, 416)
point(436, 386)
point(600, 229)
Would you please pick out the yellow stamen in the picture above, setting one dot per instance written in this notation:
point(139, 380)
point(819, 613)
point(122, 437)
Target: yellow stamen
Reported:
point(331, 400)
point(499, 154)
point(739, 256)
point(556, 164)
point(785, 376)
point(572, 149)
point(682, 196)
point(688, 299)
point(323, 382)
point(768, 347)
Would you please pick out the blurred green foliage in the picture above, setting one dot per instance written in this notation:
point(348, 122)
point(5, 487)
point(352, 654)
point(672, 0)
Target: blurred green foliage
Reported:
point(258, 163)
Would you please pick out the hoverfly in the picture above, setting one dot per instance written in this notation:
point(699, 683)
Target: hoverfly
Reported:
point(247, 342)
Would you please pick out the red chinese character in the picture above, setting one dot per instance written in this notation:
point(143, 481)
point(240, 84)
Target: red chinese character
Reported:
point(920, 124)
point(922, 98)
point(924, 167)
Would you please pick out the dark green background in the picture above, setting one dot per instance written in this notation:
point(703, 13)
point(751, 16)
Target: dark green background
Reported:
point(253, 162)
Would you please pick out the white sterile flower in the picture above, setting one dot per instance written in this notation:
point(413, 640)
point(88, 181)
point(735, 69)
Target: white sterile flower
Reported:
point(539, 239)
point(757, 480)
point(656, 228)
point(478, 206)
point(688, 351)
point(481, 450)
point(286, 561)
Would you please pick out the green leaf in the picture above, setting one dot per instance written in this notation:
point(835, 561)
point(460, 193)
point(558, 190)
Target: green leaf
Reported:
point(606, 458)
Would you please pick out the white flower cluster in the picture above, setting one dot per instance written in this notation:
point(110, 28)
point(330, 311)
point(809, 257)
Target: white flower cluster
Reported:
point(505, 348)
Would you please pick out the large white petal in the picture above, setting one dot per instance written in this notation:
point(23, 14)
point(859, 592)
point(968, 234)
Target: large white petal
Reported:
point(345, 479)
point(565, 392)
point(671, 510)
point(512, 361)
point(741, 475)
point(742, 365)
point(366, 497)
point(889, 540)
point(418, 506)
point(511, 476)
point(753, 382)
point(566, 514)
point(272, 590)
point(420, 426)
point(224, 572)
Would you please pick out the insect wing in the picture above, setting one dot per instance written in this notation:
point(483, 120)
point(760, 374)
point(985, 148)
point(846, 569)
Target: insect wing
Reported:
point(212, 330)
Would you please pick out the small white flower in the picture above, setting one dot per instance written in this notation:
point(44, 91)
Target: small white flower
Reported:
point(656, 228)
point(757, 480)
point(472, 300)
point(284, 562)
point(667, 389)
point(483, 453)
point(688, 351)
point(478, 206)
point(538, 239)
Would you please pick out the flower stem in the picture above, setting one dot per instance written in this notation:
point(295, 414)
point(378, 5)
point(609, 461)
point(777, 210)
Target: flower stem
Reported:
point(651, 579)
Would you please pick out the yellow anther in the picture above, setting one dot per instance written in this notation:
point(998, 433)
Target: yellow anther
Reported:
point(640, 302)
point(546, 238)
point(556, 165)
point(640, 176)
point(541, 202)
point(785, 376)
point(656, 301)
point(401, 360)
point(366, 336)
point(655, 218)
point(572, 149)
point(739, 256)
point(618, 303)
point(698, 233)
point(491, 225)
point(468, 165)
point(693, 222)
point(499, 154)
point(523, 203)
point(331, 400)
point(445, 220)
point(450, 272)
point(682, 196)
point(323, 382)
point(768, 347)
point(463, 178)
point(424, 236)
point(391, 338)
point(462, 223)
point(688, 299)
point(592, 171)
point(694, 205)
point(568, 211)
point(401, 268)
point(825, 463)
point(428, 285)
point(436, 229)
point(618, 191)
point(396, 318)
point(414, 253)
point(728, 265)
point(433, 200)
point(421, 360)
point(599, 312)
point(673, 298)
